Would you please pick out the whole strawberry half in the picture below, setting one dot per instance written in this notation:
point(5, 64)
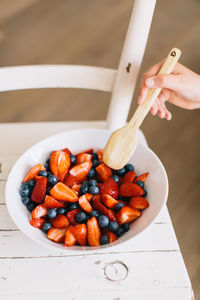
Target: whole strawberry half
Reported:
point(56, 235)
point(34, 171)
point(93, 232)
point(60, 221)
point(80, 233)
point(110, 187)
point(37, 223)
point(81, 171)
point(39, 190)
point(138, 203)
point(83, 157)
point(129, 177)
point(127, 215)
point(130, 189)
point(70, 238)
point(104, 172)
point(63, 193)
point(141, 177)
point(50, 202)
point(59, 164)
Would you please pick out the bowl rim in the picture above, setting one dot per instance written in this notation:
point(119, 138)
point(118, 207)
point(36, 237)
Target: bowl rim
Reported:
point(73, 249)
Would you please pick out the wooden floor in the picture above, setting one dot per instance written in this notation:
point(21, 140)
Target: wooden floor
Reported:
point(92, 32)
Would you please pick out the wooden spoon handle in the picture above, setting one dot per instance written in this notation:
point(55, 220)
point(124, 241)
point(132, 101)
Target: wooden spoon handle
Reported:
point(143, 109)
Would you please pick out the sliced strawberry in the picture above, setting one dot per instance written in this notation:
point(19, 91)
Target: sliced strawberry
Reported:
point(71, 216)
point(70, 180)
point(112, 237)
point(100, 155)
point(129, 177)
point(138, 202)
point(141, 177)
point(63, 193)
point(37, 223)
point(88, 151)
point(80, 171)
point(59, 164)
point(36, 177)
point(110, 187)
point(109, 201)
point(56, 235)
point(34, 171)
point(39, 190)
point(80, 232)
point(130, 189)
point(127, 215)
point(67, 150)
point(97, 205)
point(93, 232)
point(83, 157)
point(76, 188)
point(89, 196)
point(50, 202)
point(60, 221)
point(39, 212)
point(84, 204)
point(104, 172)
point(70, 239)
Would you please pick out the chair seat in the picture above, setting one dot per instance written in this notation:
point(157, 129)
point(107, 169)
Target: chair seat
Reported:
point(147, 267)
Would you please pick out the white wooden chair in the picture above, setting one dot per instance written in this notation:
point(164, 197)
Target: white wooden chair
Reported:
point(150, 267)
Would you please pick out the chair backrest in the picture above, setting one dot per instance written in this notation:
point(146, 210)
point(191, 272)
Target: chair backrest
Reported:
point(120, 82)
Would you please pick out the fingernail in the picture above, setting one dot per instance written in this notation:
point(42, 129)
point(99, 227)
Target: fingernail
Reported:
point(150, 82)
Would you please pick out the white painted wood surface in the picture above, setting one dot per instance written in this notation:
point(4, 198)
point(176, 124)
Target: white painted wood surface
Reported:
point(27, 271)
point(130, 62)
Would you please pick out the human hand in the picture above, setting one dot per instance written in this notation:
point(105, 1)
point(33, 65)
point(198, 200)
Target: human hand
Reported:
point(181, 88)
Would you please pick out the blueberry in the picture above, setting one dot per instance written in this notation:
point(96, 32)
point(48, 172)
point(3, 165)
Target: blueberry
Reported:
point(113, 226)
point(104, 240)
point(48, 161)
point(43, 173)
point(116, 178)
point(121, 171)
point(126, 227)
point(52, 213)
point(140, 183)
point(81, 217)
point(73, 206)
point(24, 185)
point(120, 231)
point(73, 159)
point(145, 193)
point(85, 182)
point(31, 183)
point(95, 213)
point(52, 180)
point(95, 163)
point(95, 156)
point(94, 190)
point(62, 211)
point(31, 205)
point(47, 167)
point(91, 173)
point(25, 200)
point(84, 188)
point(118, 206)
point(103, 221)
point(25, 191)
point(46, 227)
point(129, 167)
point(93, 182)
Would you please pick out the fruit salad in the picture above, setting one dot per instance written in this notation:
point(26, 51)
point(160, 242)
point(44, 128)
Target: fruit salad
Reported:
point(78, 200)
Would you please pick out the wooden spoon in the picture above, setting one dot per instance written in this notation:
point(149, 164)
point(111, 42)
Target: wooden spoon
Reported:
point(123, 141)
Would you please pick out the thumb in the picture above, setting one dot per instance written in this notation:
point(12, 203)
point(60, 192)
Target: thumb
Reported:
point(168, 81)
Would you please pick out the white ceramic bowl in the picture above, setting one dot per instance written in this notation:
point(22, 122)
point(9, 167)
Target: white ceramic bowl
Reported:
point(143, 159)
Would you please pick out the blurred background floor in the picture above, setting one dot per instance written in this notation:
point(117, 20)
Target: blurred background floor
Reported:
point(92, 32)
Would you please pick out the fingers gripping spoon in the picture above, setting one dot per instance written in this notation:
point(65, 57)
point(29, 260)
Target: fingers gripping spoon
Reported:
point(123, 141)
